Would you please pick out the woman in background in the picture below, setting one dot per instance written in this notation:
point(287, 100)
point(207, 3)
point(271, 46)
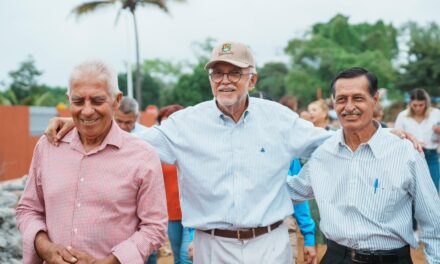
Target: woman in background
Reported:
point(319, 114)
point(180, 237)
point(423, 121)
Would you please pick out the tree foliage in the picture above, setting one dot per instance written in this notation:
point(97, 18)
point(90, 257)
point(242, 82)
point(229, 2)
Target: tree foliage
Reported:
point(324, 50)
point(131, 6)
point(150, 91)
point(193, 87)
point(25, 89)
point(331, 47)
point(272, 79)
point(423, 67)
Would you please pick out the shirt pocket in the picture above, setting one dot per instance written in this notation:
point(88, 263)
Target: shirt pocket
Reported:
point(384, 203)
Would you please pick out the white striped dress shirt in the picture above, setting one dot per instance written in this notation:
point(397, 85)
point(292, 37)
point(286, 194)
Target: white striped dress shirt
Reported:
point(232, 175)
point(365, 197)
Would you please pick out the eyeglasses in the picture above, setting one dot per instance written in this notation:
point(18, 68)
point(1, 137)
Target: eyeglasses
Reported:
point(233, 77)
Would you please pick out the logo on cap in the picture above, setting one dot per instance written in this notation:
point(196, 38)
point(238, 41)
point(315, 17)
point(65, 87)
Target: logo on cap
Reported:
point(227, 47)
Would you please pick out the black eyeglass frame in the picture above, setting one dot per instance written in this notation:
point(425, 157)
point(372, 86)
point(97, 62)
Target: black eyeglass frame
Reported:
point(227, 76)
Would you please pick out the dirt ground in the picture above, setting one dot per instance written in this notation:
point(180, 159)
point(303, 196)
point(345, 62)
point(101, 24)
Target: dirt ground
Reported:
point(418, 256)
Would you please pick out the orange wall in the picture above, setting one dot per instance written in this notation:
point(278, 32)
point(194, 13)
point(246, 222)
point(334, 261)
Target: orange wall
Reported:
point(17, 145)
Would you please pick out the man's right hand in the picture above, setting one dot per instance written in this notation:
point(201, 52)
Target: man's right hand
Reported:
point(58, 127)
point(52, 253)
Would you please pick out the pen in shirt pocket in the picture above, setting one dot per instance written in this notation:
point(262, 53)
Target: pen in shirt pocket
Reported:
point(376, 185)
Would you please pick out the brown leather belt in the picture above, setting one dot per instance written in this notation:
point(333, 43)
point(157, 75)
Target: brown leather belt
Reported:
point(244, 233)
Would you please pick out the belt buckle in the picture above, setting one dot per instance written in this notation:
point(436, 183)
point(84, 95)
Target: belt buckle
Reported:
point(359, 257)
point(238, 234)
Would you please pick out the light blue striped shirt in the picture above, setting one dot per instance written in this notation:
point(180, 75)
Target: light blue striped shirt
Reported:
point(233, 175)
point(138, 128)
point(364, 197)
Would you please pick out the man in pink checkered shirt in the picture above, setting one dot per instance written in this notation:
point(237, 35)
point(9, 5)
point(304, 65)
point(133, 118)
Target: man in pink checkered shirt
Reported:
point(98, 197)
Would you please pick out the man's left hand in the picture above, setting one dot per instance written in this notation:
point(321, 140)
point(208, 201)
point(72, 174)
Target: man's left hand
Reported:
point(405, 135)
point(84, 258)
point(310, 255)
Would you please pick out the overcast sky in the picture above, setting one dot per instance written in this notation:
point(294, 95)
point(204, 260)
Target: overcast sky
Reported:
point(57, 41)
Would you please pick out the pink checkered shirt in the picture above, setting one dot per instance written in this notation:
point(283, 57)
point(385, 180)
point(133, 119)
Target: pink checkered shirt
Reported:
point(110, 200)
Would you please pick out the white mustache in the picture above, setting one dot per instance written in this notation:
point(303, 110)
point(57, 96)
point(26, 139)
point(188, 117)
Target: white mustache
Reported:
point(353, 112)
point(222, 88)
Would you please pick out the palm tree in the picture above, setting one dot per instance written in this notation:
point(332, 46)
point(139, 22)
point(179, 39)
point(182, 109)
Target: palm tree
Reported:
point(131, 6)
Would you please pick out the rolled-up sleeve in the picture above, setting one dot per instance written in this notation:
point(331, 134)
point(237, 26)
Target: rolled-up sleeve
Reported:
point(299, 187)
point(152, 213)
point(31, 211)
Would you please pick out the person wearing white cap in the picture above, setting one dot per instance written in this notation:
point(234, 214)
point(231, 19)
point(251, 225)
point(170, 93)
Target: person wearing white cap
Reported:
point(233, 154)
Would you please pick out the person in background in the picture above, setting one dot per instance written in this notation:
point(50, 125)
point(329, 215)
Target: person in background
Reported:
point(319, 117)
point(290, 102)
point(378, 115)
point(301, 211)
point(423, 121)
point(127, 116)
point(319, 114)
point(180, 237)
point(304, 114)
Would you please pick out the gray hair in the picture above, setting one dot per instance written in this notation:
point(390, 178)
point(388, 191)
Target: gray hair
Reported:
point(129, 105)
point(97, 69)
point(253, 70)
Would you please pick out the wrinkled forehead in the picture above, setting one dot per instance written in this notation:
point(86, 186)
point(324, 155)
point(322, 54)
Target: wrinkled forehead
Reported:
point(357, 85)
point(89, 85)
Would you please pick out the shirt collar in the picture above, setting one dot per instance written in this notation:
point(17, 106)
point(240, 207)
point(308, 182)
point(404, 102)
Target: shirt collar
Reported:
point(114, 138)
point(374, 143)
point(218, 113)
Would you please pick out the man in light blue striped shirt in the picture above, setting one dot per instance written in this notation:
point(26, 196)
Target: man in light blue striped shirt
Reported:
point(365, 182)
point(233, 154)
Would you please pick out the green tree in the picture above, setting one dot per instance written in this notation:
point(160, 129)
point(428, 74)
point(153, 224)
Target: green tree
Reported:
point(150, 93)
point(336, 45)
point(272, 79)
point(193, 87)
point(131, 6)
point(165, 74)
point(25, 89)
point(24, 79)
point(423, 67)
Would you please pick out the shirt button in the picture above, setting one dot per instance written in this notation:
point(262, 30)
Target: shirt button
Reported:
point(82, 179)
point(75, 230)
point(78, 204)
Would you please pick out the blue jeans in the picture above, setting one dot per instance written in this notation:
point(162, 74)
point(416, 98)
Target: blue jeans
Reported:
point(180, 238)
point(152, 259)
point(431, 157)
